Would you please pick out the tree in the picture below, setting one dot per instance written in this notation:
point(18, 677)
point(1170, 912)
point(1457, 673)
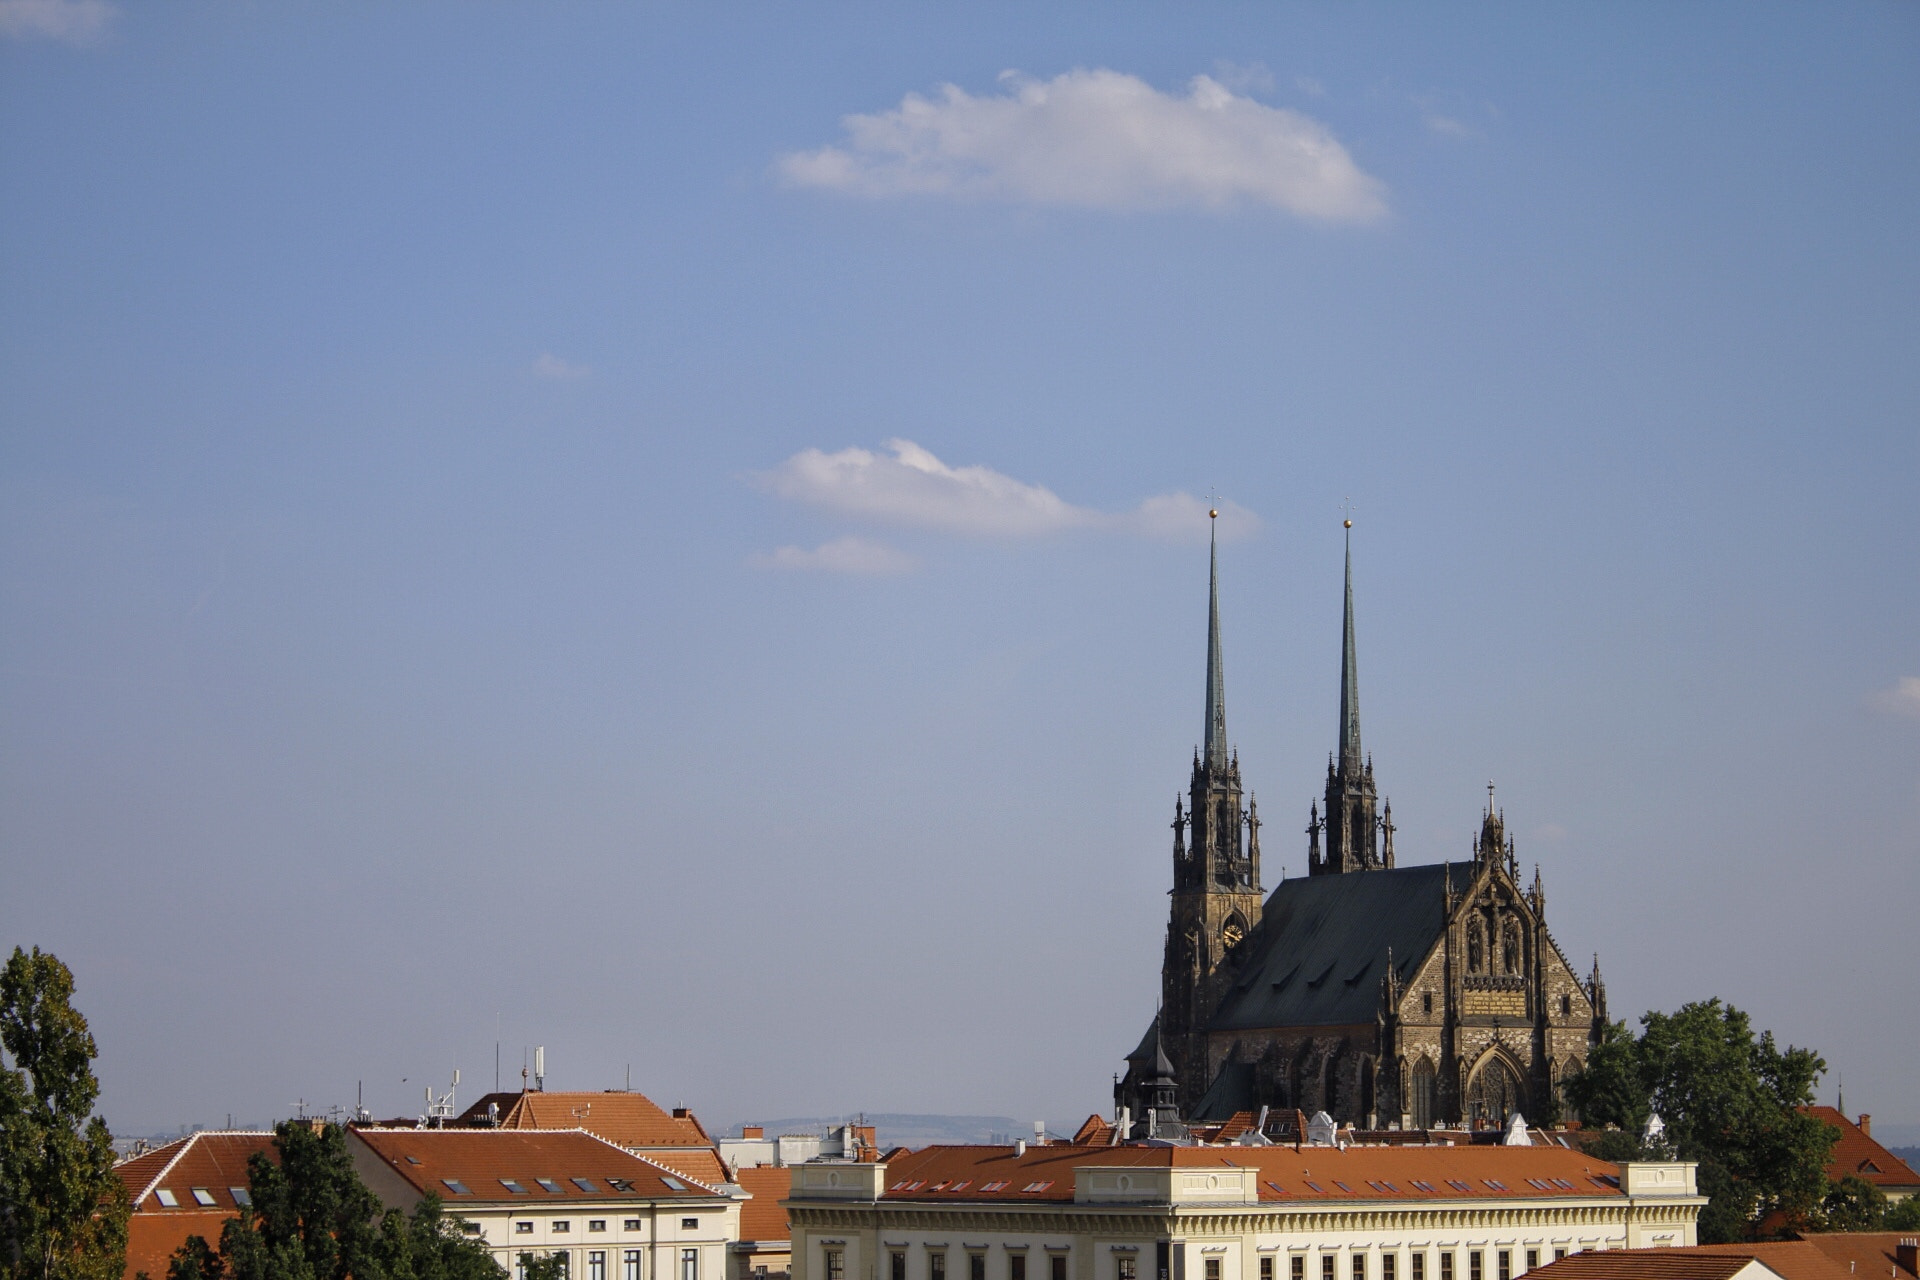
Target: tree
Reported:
point(1854, 1204)
point(1904, 1216)
point(1730, 1101)
point(313, 1219)
point(63, 1211)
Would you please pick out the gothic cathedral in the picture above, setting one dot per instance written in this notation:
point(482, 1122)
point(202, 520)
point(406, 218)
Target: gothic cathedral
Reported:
point(1383, 995)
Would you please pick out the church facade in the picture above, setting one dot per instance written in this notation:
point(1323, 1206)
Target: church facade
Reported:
point(1384, 995)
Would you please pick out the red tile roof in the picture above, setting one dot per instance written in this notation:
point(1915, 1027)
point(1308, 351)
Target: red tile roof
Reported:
point(1857, 1155)
point(152, 1238)
point(1285, 1174)
point(1646, 1264)
point(1095, 1132)
point(211, 1163)
point(762, 1218)
point(478, 1159)
point(618, 1115)
point(1864, 1253)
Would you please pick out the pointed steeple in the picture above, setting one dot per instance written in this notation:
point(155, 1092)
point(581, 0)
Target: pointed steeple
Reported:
point(1216, 739)
point(1349, 678)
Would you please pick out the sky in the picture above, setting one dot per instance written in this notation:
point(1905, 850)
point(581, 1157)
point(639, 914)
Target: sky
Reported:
point(677, 532)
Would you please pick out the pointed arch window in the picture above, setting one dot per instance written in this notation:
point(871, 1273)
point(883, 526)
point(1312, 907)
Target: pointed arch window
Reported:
point(1424, 1077)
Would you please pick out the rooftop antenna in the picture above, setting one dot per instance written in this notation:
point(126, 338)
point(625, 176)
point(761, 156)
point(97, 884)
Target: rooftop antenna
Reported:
point(540, 1068)
point(629, 1077)
point(440, 1110)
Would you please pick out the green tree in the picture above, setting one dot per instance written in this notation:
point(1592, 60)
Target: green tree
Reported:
point(313, 1219)
point(1730, 1101)
point(1904, 1216)
point(63, 1211)
point(1853, 1204)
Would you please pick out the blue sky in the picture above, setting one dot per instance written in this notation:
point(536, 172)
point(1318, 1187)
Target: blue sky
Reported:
point(456, 571)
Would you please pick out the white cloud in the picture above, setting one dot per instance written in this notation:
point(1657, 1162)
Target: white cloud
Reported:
point(1448, 127)
point(1902, 699)
point(1246, 77)
point(72, 21)
point(842, 555)
point(916, 489)
point(1096, 139)
point(1309, 86)
point(552, 366)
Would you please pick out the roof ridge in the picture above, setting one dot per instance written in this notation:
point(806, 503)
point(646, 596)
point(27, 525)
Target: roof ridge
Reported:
point(186, 1145)
point(635, 1155)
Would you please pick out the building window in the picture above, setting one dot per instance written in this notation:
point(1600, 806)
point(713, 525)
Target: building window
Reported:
point(1266, 1267)
point(630, 1265)
point(937, 1264)
point(631, 1224)
point(520, 1265)
point(1124, 1267)
point(1426, 1002)
point(836, 1265)
point(1326, 1267)
point(1533, 1259)
point(1359, 1266)
point(1297, 1267)
point(689, 1224)
point(596, 1224)
point(1057, 1267)
point(689, 1264)
point(976, 1266)
point(1504, 1259)
point(1473, 1265)
point(1387, 1268)
point(1419, 1269)
point(1016, 1266)
point(523, 1228)
point(597, 1265)
point(565, 1260)
point(897, 1265)
point(1213, 1269)
point(1446, 1265)
point(561, 1227)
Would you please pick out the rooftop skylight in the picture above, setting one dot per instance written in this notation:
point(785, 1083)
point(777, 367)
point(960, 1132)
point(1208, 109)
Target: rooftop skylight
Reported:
point(585, 1184)
point(202, 1196)
point(513, 1186)
point(456, 1186)
point(548, 1184)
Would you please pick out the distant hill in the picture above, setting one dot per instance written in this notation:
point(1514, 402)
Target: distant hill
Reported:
point(1910, 1154)
point(897, 1129)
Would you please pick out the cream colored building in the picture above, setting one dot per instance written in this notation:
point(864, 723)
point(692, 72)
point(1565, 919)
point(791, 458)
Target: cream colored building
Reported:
point(611, 1214)
point(1227, 1213)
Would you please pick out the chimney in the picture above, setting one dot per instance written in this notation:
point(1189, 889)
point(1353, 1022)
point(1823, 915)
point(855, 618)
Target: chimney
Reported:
point(681, 1113)
point(1019, 1147)
point(752, 1131)
point(1907, 1254)
point(1866, 1124)
point(1039, 1133)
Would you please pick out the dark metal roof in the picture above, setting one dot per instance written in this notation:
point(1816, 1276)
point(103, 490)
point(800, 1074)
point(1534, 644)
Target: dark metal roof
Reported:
point(1231, 1091)
point(1321, 948)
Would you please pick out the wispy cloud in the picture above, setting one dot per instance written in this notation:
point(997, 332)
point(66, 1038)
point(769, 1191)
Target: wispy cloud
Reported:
point(910, 487)
point(1243, 77)
point(842, 555)
point(69, 21)
point(1448, 127)
point(1902, 698)
point(552, 366)
point(1309, 86)
point(1096, 139)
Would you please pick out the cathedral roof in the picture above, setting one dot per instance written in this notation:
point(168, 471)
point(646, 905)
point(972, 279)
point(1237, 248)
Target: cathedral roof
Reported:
point(1321, 947)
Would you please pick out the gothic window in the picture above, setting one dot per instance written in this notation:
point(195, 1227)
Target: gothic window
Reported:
point(1493, 1095)
point(1510, 946)
point(1423, 1081)
point(1566, 1006)
point(1476, 946)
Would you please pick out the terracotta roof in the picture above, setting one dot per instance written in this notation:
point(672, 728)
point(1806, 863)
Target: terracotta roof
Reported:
point(473, 1166)
point(618, 1115)
point(1095, 1132)
point(153, 1237)
point(1311, 1174)
point(198, 1169)
point(762, 1218)
point(1647, 1264)
point(1865, 1253)
point(1857, 1155)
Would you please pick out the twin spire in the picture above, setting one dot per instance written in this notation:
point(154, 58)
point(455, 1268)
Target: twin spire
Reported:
point(1216, 740)
point(1350, 758)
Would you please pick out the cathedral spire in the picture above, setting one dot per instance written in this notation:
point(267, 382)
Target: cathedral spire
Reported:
point(1216, 740)
point(1349, 678)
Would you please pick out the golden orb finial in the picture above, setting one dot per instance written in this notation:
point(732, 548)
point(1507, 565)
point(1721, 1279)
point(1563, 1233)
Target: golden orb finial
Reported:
point(1349, 524)
point(1213, 513)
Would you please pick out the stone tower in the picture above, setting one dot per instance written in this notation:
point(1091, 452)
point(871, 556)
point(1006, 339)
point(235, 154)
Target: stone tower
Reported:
point(1216, 879)
point(1356, 839)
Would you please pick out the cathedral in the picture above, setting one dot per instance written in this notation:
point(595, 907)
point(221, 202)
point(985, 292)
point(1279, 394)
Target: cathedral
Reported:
point(1384, 995)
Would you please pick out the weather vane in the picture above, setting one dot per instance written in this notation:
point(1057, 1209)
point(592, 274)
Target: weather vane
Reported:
point(1346, 508)
point(1213, 504)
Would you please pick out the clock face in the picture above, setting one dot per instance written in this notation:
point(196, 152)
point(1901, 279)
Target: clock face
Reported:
point(1232, 934)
